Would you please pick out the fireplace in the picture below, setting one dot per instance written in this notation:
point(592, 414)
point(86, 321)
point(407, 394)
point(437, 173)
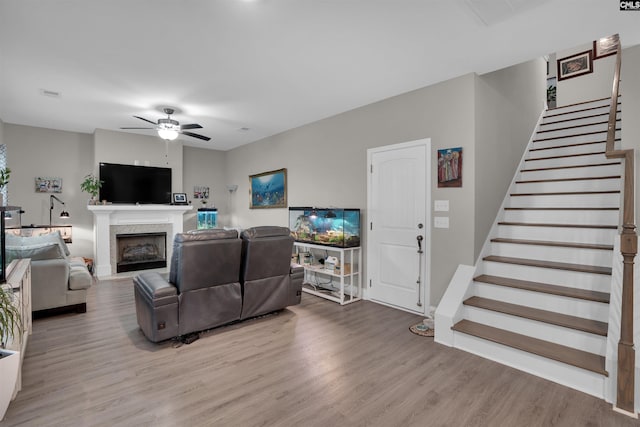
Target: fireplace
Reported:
point(140, 251)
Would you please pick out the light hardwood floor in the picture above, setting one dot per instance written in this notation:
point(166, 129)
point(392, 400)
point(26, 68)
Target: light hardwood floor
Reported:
point(316, 364)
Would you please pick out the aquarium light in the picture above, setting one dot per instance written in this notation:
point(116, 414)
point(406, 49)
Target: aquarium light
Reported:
point(330, 214)
point(313, 214)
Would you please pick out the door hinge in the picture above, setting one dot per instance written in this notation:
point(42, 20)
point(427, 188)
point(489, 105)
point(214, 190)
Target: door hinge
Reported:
point(371, 168)
point(369, 282)
point(371, 226)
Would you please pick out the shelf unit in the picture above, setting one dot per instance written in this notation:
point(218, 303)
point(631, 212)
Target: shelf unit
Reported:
point(343, 284)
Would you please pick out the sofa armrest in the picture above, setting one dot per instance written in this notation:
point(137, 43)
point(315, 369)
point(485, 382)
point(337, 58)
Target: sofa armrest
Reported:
point(296, 277)
point(49, 283)
point(155, 289)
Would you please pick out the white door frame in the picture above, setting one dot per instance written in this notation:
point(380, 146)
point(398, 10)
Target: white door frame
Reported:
point(425, 274)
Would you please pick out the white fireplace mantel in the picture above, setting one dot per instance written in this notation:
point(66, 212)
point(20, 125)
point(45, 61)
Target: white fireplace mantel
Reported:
point(107, 215)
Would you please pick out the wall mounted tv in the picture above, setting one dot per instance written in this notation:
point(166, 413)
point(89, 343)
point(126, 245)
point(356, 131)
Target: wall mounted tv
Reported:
point(135, 184)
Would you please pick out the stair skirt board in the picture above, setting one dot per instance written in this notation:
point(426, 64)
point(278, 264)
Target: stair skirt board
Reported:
point(543, 331)
point(561, 304)
point(558, 372)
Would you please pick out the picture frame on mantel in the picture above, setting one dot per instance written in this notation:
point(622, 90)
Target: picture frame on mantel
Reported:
point(268, 190)
point(575, 65)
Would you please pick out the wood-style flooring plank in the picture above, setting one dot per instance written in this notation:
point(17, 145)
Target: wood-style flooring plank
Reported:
point(315, 364)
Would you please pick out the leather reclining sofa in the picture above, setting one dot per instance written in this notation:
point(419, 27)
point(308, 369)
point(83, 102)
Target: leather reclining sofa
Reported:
point(217, 278)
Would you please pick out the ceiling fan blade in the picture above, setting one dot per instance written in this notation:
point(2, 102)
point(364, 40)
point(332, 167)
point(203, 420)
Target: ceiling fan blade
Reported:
point(195, 135)
point(191, 126)
point(137, 128)
point(142, 118)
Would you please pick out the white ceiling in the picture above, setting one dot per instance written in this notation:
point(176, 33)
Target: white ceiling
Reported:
point(266, 65)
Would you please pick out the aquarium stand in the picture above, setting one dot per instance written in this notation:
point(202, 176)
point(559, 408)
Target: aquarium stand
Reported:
point(331, 273)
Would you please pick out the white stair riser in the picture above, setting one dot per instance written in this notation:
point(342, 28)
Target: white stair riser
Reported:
point(543, 331)
point(581, 185)
point(564, 151)
point(564, 200)
point(599, 217)
point(602, 258)
point(561, 373)
point(561, 133)
point(608, 170)
point(559, 234)
point(546, 142)
point(565, 305)
point(590, 281)
point(568, 161)
point(561, 121)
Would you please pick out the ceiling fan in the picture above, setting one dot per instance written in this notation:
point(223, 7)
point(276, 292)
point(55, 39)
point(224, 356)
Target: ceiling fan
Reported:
point(169, 129)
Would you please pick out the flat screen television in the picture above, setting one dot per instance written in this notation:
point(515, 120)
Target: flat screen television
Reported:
point(135, 184)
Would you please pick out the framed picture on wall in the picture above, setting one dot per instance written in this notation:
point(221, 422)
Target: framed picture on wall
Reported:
point(575, 65)
point(605, 46)
point(48, 184)
point(450, 167)
point(268, 190)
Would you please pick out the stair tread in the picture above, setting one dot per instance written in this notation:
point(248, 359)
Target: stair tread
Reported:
point(565, 193)
point(570, 167)
point(591, 116)
point(571, 356)
point(572, 322)
point(564, 156)
point(566, 291)
point(572, 136)
point(583, 178)
point(577, 144)
point(552, 243)
point(534, 208)
point(543, 224)
point(576, 126)
point(583, 268)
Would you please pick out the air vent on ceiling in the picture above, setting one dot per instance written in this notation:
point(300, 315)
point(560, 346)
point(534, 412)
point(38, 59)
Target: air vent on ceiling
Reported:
point(50, 93)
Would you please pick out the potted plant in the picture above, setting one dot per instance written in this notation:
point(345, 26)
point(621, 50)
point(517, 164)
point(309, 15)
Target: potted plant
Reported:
point(91, 185)
point(5, 174)
point(10, 323)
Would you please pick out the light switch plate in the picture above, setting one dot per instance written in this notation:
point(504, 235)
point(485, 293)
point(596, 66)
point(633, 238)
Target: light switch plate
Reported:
point(441, 222)
point(441, 205)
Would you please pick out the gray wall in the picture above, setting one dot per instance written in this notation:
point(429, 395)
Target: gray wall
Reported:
point(630, 89)
point(508, 105)
point(33, 152)
point(207, 168)
point(326, 160)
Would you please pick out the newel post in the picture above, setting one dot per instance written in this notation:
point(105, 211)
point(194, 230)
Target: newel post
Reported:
point(626, 352)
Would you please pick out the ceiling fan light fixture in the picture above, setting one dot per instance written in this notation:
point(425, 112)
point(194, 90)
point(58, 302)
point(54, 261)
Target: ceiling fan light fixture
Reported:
point(168, 129)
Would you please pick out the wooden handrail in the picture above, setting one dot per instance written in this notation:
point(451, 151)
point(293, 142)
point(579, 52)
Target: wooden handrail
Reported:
point(629, 249)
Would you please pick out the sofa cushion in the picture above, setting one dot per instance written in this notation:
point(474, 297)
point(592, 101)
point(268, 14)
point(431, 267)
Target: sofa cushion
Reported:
point(35, 252)
point(54, 237)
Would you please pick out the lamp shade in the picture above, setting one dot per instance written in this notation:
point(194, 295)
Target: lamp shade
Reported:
point(65, 214)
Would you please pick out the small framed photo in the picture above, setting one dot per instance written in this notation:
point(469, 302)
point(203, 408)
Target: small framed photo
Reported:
point(575, 65)
point(179, 198)
point(48, 185)
point(605, 46)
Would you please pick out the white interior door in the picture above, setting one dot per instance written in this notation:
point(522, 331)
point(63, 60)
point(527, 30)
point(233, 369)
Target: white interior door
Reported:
point(398, 230)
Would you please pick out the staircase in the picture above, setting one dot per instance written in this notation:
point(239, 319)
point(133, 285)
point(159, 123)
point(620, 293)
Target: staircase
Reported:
point(539, 298)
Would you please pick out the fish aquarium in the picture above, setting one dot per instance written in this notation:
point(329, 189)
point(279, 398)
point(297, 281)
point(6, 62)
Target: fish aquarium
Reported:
point(207, 218)
point(325, 226)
